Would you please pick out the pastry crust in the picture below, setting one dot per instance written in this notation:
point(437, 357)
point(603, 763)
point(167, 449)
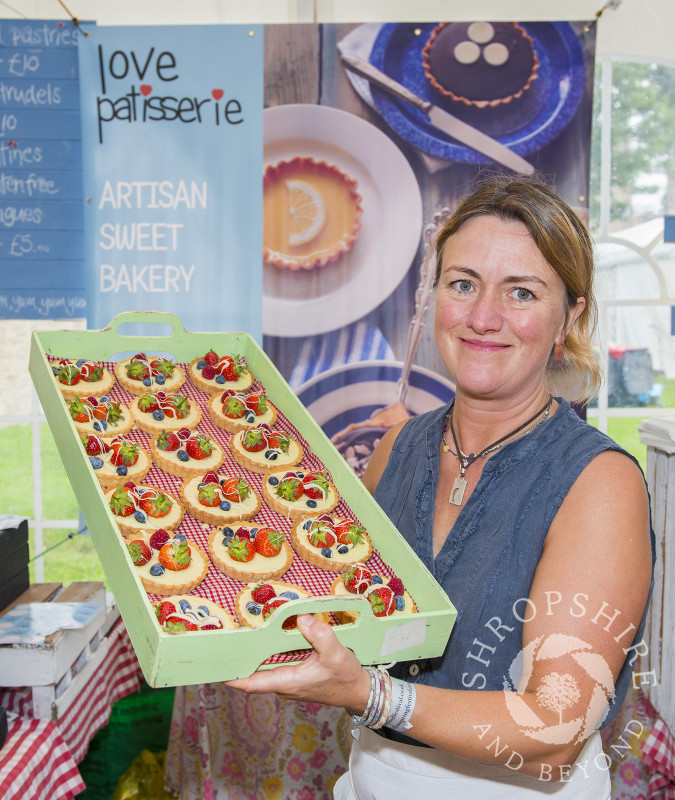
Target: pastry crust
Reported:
point(146, 422)
point(257, 462)
point(169, 461)
point(233, 425)
point(299, 508)
point(214, 515)
point(172, 581)
point(244, 382)
point(170, 385)
point(195, 601)
point(97, 388)
point(259, 568)
point(338, 562)
point(130, 525)
point(248, 620)
point(109, 479)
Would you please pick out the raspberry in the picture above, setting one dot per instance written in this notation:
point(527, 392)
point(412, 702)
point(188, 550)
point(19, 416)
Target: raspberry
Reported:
point(130, 485)
point(208, 373)
point(243, 533)
point(261, 594)
point(396, 585)
point(159, 537)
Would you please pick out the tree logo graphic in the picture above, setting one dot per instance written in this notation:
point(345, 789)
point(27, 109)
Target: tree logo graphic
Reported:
point(558, 691)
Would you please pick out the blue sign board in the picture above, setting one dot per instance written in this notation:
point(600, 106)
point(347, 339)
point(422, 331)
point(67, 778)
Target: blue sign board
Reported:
point(41, 205)
point(172, 132)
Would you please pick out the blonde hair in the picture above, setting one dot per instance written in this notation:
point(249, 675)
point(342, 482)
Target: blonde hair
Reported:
point(563, 240)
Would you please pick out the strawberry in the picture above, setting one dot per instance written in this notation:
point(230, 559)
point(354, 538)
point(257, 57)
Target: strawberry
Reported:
point(80, 410)
point(68, 374)
point(167, 441)
point(223, 365)
point(94, 445)
point(236, 490)
point(253, 440)
point(139, 551)
point(279, 441)
point(177, 407)
point(234, 369)
point(321, 534)
point(208, 373)
point(162, 366)
point(241, 549)
point(137, 370)
point(211, 477)
point(148, 403)
point(209, 495)
point(257, 402)
point(199, 446)
point(234, 407)
point(110, 411)
point(211, 358)
point(270, 607)
point(357, 579)
point(262, 593)
point(124, 453)
point(349, 532)
point(176, 624)
point(157, 506)
point(175, 555)
point(90, 371)
point(121, 503)
point(159, 538)
point(268, 542)
point(216, 625)
point(316, 485)
point(382, 601)
point(396, 585)
point(289, 488)
point(164, 609)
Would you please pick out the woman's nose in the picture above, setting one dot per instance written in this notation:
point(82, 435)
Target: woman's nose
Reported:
point(485, 314)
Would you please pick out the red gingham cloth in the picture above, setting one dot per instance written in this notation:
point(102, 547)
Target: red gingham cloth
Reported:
point(36, 763)
point(117, 676)
point(658, 753)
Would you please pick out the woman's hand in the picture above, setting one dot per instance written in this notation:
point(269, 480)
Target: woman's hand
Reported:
point(330, 675)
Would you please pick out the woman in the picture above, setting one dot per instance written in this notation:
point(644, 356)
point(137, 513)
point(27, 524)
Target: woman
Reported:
point(535, 524)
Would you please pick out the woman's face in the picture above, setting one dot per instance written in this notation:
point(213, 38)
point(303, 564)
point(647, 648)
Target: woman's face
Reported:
point(500, 308)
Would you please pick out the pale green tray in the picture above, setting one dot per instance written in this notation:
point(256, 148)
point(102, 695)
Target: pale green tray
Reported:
point(206, 656)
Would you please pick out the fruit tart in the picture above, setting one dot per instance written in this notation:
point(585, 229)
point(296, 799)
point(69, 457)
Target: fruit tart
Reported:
point(138, 507)
point(159, 411)
point(182, 613)
point(185, 453)
point(82, 378)
point(250, 552)
point(219, 501)
point(256, 602)
point(142, 373)
point(102, 416)
point(116, 462)
point(213, 373)
point(387, 596)
point(233, 411)
point(297, 494)
point(167, 564)
point(331, 542)
point(262, 449)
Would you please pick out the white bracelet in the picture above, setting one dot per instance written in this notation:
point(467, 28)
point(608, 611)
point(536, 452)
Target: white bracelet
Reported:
point(403, 697)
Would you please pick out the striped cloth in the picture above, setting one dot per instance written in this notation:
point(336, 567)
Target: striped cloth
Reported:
point(658, 753)
point(358, 342)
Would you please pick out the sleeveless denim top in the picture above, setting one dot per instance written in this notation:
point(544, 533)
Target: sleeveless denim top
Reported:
point(487, 563)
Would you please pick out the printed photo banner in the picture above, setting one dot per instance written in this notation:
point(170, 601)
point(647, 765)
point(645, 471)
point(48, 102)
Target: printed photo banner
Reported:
point(172, 133)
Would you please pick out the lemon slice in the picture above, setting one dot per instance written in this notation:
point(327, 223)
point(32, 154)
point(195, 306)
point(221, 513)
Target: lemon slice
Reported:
point(307, 211)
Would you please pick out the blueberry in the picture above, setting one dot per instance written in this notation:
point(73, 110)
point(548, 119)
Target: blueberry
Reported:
point(300, 474)
point(220, 378)
point(253, 531)
point(55, 370)
point(158, 415)
point(160, 380)
point(290, 595)
point(273, 481)
point(184, 605)
point(249, 416)
point(326, 552)
point(271, 455)
point(97, 426)
point(96, 462)
point(139, 516)
point(253, 608)
point(179, 537)
point(342, 549)
point(400, 602)
point(122, 470)
point(201, 485)
point(377, 579)
point(225, 505)
point(79, 363)
point(204, 610)
point(104, 399)
point(147, 382)
point(104, 424)
point(228, 533)
point(182, 455)
point(201, 364)
point(157, 570)
point(307, 525)
point(311, 504)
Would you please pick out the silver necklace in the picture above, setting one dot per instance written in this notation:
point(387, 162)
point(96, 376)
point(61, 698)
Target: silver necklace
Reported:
point(466, 460)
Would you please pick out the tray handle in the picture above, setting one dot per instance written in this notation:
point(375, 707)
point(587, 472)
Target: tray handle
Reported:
point(153, 317)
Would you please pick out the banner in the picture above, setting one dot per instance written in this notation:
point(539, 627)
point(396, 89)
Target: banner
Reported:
point(41, 218)
point(172, 132)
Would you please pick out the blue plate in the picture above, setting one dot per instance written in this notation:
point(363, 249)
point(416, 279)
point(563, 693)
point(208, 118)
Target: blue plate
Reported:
point(524, 125)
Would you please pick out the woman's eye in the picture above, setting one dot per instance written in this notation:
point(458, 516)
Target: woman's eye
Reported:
point(463, 286)
point(523, 294)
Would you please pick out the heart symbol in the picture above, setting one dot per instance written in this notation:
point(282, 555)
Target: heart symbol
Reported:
point(217, 94)
point(145, 89)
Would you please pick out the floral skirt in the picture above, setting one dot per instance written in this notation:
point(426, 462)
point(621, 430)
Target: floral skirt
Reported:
point(227, 745)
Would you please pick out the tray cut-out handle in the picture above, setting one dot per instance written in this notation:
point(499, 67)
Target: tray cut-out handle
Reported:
point(152, 317)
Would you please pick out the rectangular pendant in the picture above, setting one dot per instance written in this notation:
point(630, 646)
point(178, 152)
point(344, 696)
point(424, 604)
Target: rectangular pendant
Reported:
point(457, 493)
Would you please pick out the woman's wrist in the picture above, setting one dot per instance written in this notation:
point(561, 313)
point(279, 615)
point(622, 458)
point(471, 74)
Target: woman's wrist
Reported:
point(359, 701)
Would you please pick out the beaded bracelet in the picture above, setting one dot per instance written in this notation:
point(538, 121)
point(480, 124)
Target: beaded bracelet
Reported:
point(390, 702)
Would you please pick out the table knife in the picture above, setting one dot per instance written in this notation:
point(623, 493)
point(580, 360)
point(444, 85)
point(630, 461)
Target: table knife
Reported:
point(441, 119)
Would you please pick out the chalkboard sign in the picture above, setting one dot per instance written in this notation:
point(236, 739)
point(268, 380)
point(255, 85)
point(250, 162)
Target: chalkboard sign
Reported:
point(42, 272)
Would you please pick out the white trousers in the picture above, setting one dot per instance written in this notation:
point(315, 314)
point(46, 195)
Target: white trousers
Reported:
point(380, 769)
